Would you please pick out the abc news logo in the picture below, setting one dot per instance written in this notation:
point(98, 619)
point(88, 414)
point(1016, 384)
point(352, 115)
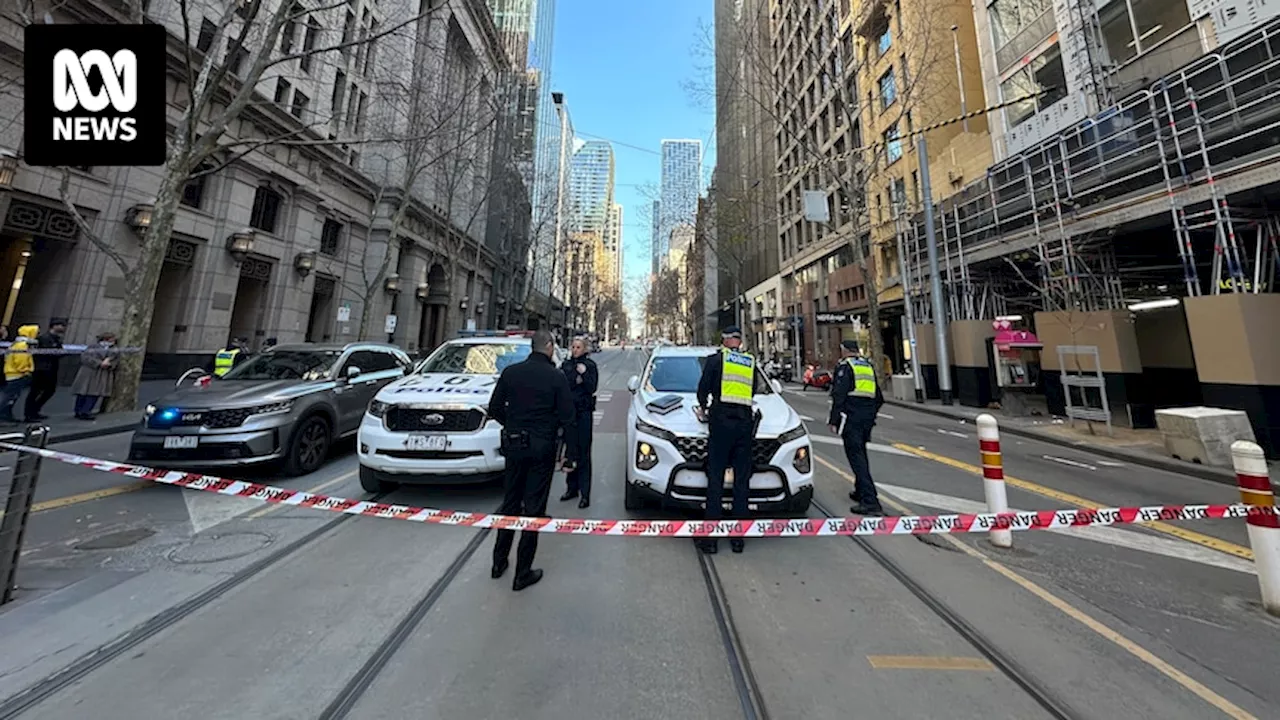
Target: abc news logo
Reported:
point(95, 95)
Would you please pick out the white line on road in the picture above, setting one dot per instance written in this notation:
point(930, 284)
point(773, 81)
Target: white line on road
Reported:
point(886, 416)
point(806, 418)
point(1072, 463)
point(1109, 535)
point(873, 447)
point(1108, 463)
point(952, 433)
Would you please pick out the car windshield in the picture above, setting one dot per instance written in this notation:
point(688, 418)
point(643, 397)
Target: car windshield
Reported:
point(286, 365)
point(680, 374)
point(480, 359)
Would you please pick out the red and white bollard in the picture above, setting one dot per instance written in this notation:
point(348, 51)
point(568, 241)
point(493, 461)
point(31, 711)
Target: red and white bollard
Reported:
point(1264, 528)
point(993, 475)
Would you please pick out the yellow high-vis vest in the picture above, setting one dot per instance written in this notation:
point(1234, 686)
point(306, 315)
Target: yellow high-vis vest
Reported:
point(864, 378)
point(737, 377)
point(224, 361)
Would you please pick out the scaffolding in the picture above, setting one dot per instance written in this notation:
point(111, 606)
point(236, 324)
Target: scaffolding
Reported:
point(1180, 138)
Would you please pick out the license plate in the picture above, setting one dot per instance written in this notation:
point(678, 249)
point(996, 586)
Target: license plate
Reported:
point(428, 443)
point(181, 442)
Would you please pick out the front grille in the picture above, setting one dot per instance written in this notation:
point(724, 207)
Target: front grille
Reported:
point(204, 453)
point(212, 419)
point(413, 420)
point(431, 454)
point(694, 450)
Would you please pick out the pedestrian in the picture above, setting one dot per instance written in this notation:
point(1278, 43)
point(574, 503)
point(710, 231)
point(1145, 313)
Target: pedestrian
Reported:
point(230, 357)
point(18, 367)
point(855, 400)
point(96, 377)
point(4, 347)
point(725, 393)
point(583, 377)
point(44, 379)
point(533, 404)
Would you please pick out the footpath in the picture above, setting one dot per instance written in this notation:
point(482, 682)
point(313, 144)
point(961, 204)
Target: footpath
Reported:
point(65, 427)
point(1140, 447)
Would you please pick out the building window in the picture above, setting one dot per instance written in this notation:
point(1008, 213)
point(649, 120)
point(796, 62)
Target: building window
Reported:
point(266, 209)
point(892, 145)
point(309, 45)
point(236, 55)
point(329, 237)
point(204, 41)
point(1153, 20)
point(364, 99)
point(886, 40)
point(300, 103)
point(1009, 17)
point(338, 96)
point(289, 34)
point(282, 91)
point(193, 191)
point(1037, 86)
point(371, 50)
point(888, 89)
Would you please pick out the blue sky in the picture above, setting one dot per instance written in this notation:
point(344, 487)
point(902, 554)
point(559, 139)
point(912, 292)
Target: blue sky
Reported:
point(624, 68)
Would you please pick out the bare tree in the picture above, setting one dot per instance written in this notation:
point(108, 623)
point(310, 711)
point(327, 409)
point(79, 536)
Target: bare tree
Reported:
point(241, 44)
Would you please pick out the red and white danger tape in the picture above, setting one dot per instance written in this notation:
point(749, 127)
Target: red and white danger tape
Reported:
point(901, 525)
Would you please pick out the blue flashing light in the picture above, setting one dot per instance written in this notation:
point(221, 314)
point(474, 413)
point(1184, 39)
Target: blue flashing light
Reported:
point(169, 414)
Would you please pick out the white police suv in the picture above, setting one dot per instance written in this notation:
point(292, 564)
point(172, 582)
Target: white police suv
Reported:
point(433, 426)
point(667, 444)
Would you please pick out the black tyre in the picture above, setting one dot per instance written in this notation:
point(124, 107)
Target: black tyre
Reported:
point(308, 447)
point(631, 499)
point(370, 481)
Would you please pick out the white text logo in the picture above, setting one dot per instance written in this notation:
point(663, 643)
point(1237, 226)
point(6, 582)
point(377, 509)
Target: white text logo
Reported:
point(71, 90)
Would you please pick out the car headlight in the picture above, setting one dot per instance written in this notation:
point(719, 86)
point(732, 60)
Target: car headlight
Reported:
point(646, 456)
point(148, 412)
point(794, 433)
point(279, 408)
point(378, 409)
point(654, 430)
point(802, 461)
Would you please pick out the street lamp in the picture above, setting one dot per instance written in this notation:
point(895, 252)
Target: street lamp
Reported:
point(392, 284)
point(423, 291)
point(305, 262)
point(138, 217)
point(241, 244)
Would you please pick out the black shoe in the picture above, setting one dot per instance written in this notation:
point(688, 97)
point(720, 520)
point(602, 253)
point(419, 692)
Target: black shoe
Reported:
point(584, 502)
point(568, 495)
point(499, 569)
point(737, 544)
point(526, 579)
point(853, 495)
point(867, 511)
point(709, 547)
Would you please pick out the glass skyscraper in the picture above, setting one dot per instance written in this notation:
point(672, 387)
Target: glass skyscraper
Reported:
point(591, 187)
point(680, 187)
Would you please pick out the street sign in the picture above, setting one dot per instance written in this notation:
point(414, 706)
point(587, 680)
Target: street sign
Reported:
point(816, 207)
point(391, 324)
point(344, 312)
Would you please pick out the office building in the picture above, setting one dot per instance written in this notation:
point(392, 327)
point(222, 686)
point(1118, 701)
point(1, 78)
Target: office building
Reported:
point(679, 188)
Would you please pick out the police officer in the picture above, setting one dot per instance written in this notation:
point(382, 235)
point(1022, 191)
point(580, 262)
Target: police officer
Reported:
point(583, 377)
point(855, 401)
point(231, 356)
point(725, 391)
point(533, 404)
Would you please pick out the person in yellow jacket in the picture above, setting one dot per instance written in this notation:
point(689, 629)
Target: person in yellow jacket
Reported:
point(18, 367)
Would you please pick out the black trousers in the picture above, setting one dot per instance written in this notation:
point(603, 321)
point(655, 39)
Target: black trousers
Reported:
point(44, 383)
point(728, 446)
point(856, 436)
point(528, 482)
point(580, 479)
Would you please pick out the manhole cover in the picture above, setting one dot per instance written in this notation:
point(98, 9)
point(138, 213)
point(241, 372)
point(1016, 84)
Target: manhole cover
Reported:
point(216, 548)
point(116, 540)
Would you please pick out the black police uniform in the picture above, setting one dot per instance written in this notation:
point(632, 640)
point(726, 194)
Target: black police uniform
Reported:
point(533, 404)
point(859, 417)
point(44, 377)
point(583, 377)
point(731, 429)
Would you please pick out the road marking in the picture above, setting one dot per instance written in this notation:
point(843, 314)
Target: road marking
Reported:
point(1108, 463)
point(874, 447)
point(1072, 463)
point(806, 418)
point(1214, 543)
point(322, 486)
point(87, 497)
point(1142, 542)
point(886, 416)
point(927, 662)
point(1204, 693)
point(953, 433)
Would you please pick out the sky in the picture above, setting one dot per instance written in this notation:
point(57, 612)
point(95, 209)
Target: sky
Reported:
point(631, 74)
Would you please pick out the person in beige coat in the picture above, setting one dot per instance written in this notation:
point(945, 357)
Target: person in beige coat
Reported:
point(96, 377)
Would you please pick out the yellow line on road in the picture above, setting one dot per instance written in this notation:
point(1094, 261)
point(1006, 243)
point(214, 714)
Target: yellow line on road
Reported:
point(322, 486)
point(928, 662)
point(1196, 687)
point(88, 496)
point(1191, 536)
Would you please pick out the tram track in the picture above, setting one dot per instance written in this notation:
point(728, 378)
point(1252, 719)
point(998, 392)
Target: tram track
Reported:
point(744, 680)
point(1055, 707)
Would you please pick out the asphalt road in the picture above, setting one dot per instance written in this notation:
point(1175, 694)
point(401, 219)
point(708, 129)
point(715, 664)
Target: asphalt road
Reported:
point(163, 605)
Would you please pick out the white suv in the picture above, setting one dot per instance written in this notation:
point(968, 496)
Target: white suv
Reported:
point(433, 426)
point(667, 444)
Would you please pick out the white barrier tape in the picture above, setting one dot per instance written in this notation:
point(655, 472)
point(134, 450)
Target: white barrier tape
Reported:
point(901, 525)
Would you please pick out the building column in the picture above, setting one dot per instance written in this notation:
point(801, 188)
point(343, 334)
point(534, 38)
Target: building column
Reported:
point(970, 362)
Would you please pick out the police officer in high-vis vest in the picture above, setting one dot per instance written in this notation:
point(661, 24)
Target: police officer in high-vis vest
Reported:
point(230, 357)
point(855, 401)
point(724, 398)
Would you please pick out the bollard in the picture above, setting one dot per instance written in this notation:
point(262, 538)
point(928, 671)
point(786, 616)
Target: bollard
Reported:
point(1264, 529)
point(993, 476)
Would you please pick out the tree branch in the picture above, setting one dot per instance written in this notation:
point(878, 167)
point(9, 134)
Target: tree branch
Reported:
point(64, 192)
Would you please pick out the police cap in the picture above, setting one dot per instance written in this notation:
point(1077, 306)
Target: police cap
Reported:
point(733, 331)
point(850, 345)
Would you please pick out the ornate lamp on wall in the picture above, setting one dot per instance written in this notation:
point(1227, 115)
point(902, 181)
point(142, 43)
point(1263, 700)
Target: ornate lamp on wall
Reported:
point(392, 284)
point(423, 292)
point(305, 262)
point(139, 217)
point(241, 244)
point(463, 305)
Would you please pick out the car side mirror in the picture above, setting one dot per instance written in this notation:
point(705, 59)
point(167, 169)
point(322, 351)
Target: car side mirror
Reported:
point(776, 385)
point(634, 383)
point(352, 372)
